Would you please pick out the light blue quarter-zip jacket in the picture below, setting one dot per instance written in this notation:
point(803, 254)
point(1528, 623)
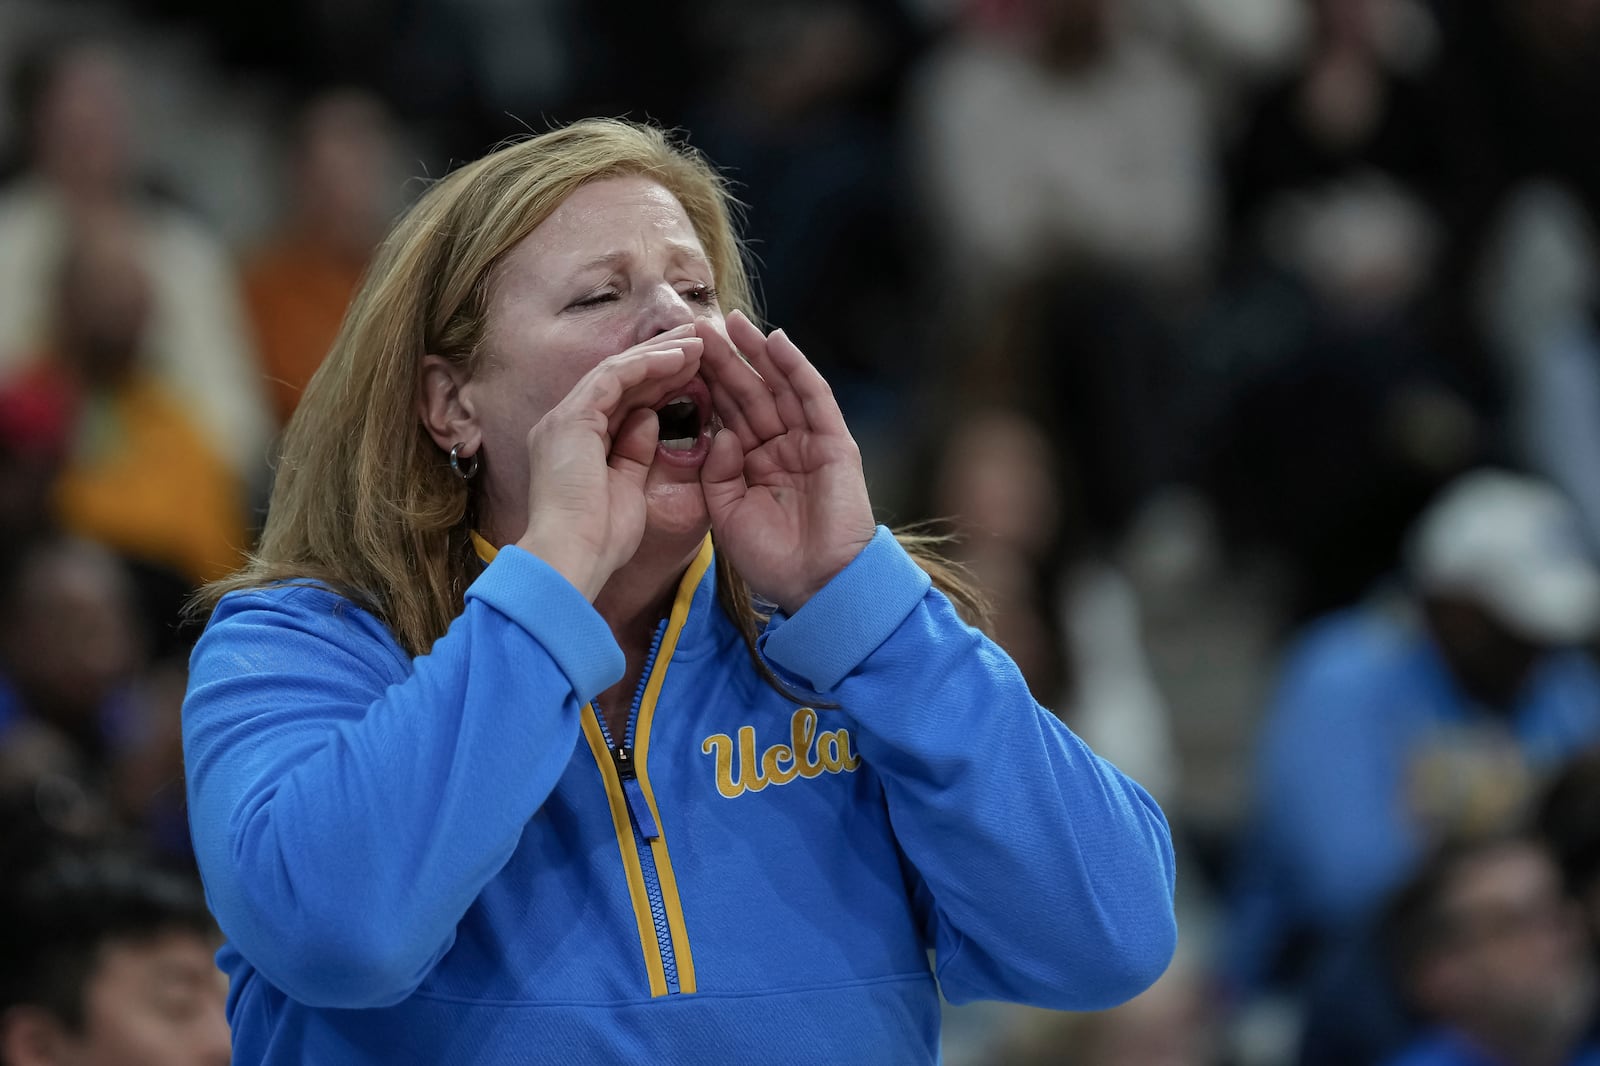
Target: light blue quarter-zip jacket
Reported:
point(451, 860)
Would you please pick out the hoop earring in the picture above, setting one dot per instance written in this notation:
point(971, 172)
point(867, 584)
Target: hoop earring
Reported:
point(464, 469)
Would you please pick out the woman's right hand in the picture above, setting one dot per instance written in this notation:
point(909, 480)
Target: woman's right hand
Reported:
point(590, 454)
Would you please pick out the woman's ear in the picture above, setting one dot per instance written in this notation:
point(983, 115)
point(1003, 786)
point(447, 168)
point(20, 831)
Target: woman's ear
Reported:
point(446, 411)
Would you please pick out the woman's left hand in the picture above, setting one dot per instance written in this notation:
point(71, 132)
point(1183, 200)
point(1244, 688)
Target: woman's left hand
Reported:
point(783, 482)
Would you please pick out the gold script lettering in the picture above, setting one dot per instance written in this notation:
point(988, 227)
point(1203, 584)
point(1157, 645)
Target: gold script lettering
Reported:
point(750, 778)
point(802, 730)
point(721, 745)
point(808, 755)
point(769, 764)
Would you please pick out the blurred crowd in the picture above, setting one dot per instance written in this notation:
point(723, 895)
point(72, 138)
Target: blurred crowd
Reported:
point(1250, 349)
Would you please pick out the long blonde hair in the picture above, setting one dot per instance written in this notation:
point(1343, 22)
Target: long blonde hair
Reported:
point(364, 501)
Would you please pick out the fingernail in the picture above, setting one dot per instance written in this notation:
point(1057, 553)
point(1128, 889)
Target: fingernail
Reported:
point(680, 329)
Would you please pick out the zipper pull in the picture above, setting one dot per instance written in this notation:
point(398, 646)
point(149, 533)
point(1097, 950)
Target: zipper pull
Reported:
point(638, 806)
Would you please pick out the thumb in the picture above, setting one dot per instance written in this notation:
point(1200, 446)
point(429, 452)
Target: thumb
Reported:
point(634, 448)
point(722, 476)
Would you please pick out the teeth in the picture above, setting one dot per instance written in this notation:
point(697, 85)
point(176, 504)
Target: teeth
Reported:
point(678, 444)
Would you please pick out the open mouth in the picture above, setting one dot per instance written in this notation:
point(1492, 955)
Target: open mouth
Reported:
point(681, 423)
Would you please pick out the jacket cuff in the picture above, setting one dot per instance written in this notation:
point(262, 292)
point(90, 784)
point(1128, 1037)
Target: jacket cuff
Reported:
point(835, 631)
point(534, 596)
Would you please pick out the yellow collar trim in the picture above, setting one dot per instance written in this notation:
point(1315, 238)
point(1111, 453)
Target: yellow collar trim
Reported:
point(485, 550)
point(680, 602)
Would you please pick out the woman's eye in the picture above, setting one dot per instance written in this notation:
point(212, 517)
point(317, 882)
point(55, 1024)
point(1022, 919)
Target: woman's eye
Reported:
point(595, 299)
point(704, 295)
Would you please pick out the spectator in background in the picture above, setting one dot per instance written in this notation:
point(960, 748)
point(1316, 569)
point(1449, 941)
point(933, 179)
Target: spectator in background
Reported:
point(73, 106)
point(1517, 80)
point(1492, 956)
point(1090, 359)
point(1351, 130)
point(89, 721)
point(49, 795)
point(298, 285)
point(142, 476)
point(1398, 723)
point(1062, 611)
point(1334, 415)
point(1067, 156)
point(70, 651)
point(1516, 83)
point(1569, 822)
point(105, 960)
point(798, 106)
point(1050, 131)
point(35, 438)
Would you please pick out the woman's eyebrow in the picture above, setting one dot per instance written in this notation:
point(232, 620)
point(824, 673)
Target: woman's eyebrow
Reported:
point(685, 250)
point(607, 259)
point(681, 250)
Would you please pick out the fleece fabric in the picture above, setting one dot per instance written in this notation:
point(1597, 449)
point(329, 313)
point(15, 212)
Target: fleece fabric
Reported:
point(450, 860)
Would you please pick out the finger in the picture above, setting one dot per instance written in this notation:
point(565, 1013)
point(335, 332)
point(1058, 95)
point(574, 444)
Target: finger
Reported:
point(722, 477)
point(693, 347)
point(732, 415)
point(653, 392)
point(757, 348)
point(604, 387)
point(635, 447)
point(742, 386)
point(816, 397)
point(639, 365)
point(639, 377)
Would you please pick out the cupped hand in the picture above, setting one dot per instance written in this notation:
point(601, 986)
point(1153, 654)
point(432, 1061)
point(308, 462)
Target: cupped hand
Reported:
point(590, 454)
point(783, 482)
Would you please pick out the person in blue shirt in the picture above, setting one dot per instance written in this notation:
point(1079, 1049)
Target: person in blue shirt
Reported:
point(573, 709)
point(1492, 956)
point(1405, 720)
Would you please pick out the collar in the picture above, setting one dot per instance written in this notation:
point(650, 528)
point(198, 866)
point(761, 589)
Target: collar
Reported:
point(691, 616)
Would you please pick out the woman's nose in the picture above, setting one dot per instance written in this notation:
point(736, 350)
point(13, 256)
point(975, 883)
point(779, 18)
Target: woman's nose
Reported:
point(666, 310)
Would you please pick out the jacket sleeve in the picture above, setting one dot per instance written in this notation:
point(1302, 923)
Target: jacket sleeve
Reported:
point(348, 805)
point(1044, 875)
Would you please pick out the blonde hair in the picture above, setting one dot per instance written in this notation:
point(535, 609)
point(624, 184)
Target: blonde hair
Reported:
point(364, 501)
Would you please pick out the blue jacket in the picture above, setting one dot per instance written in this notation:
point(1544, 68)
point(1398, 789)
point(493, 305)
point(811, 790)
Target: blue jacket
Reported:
point(450, 860)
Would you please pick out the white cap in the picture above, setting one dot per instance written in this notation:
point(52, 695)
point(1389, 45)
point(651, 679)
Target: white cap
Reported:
point(1513, 545)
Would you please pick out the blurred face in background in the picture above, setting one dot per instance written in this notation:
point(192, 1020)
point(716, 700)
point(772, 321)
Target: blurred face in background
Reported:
point(105, 301)
point(46, 787)
point(69, 637)
point(1512, 961)
point(1489, 661)
point(82, 128)
point(342, 171)
point(997, 482)
point(155, 1002)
